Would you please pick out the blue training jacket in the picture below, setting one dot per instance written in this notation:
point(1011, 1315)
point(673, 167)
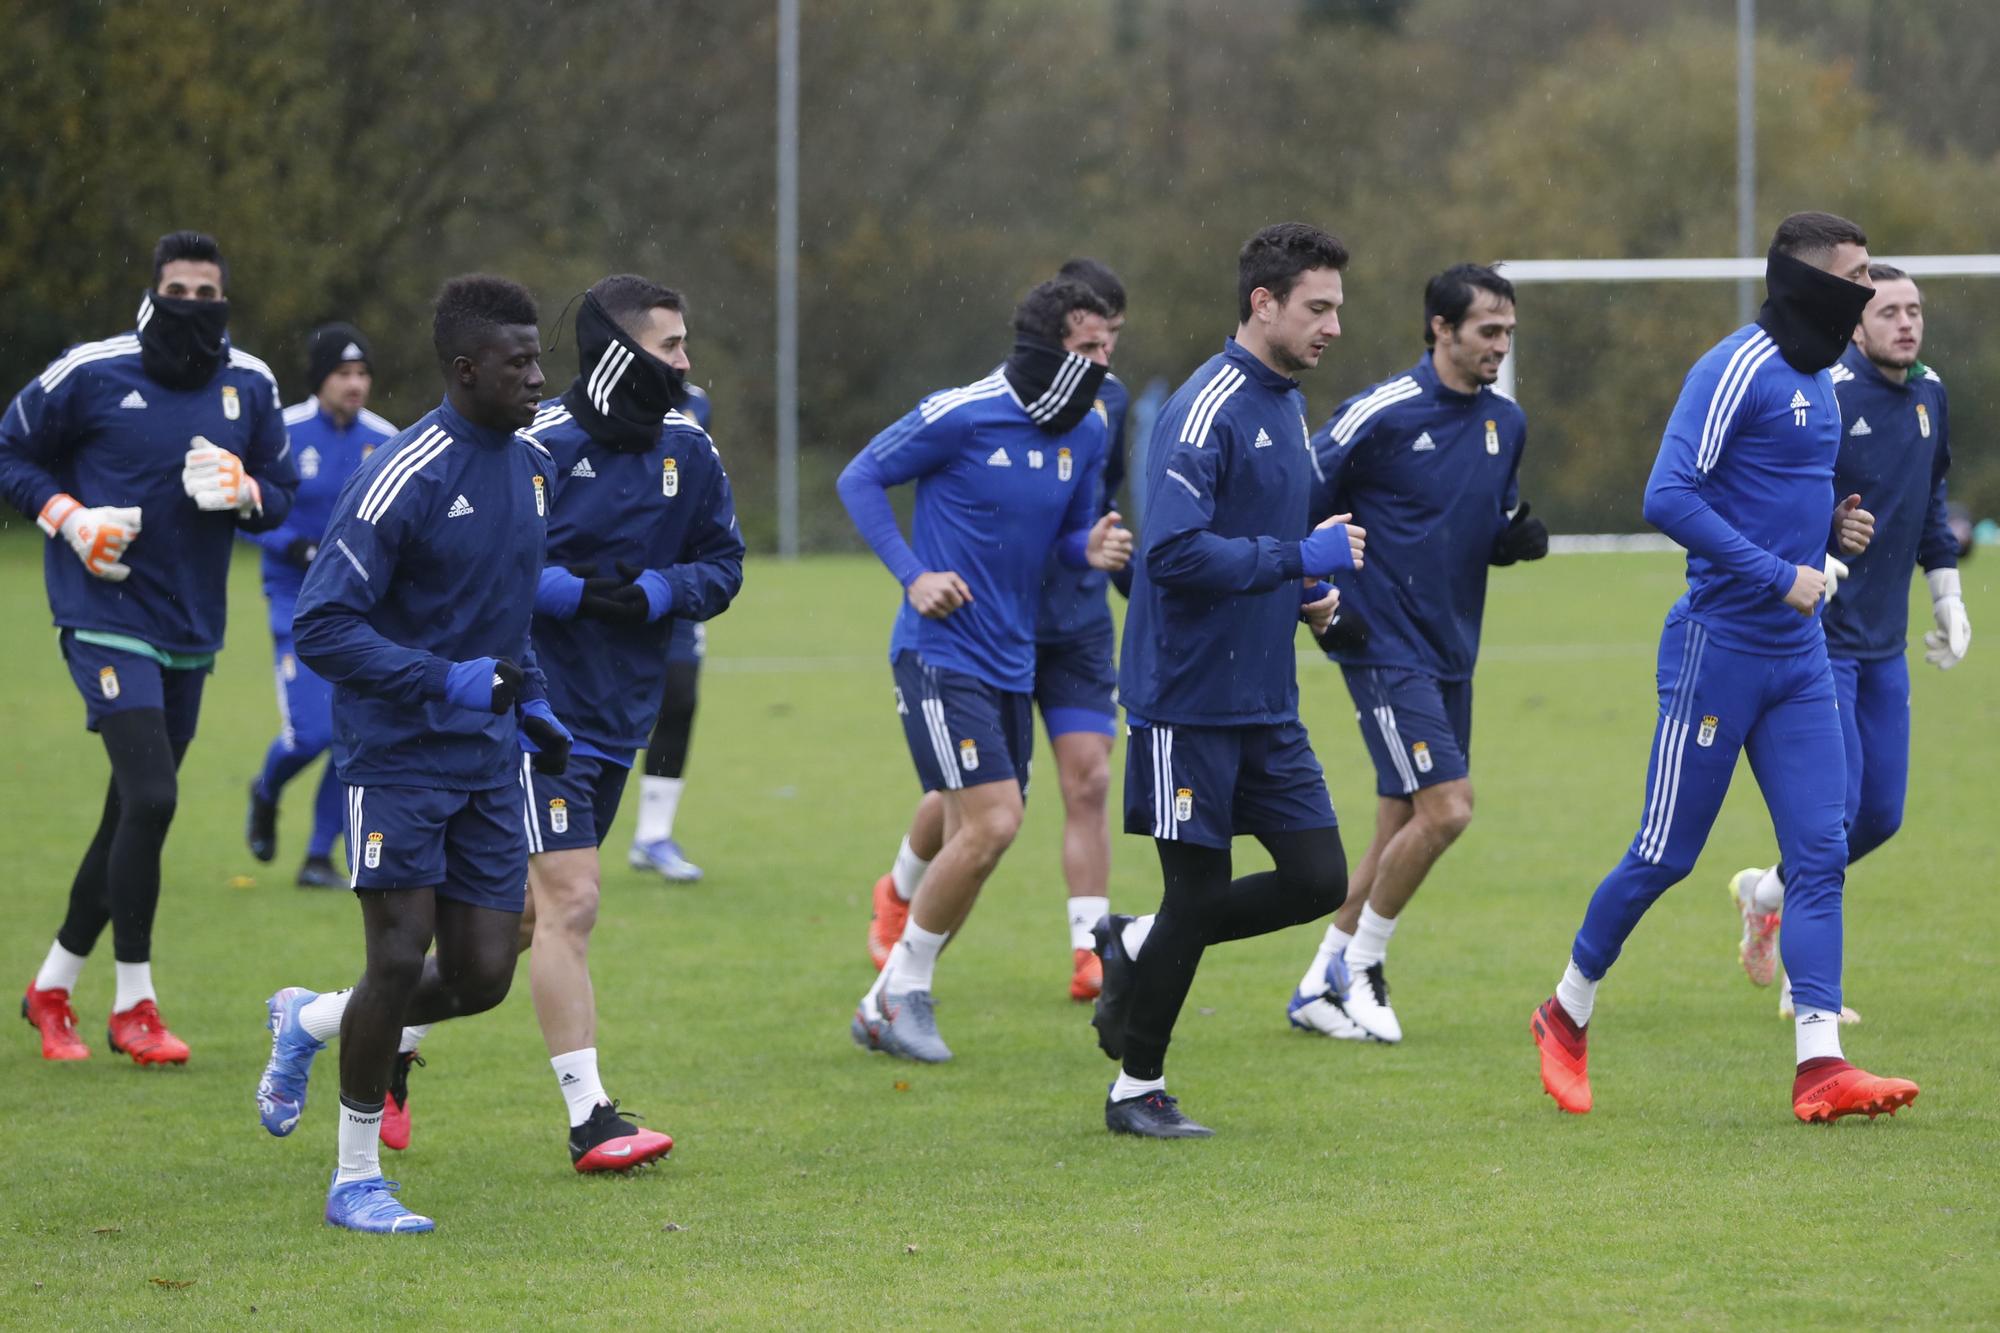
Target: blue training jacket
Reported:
point(1073, 602)
point(96, 426)
point(669, 508)
point(1215, 602)
point(1432, 474)
point(432, 557)
point(1894, 453)
point(325, 455)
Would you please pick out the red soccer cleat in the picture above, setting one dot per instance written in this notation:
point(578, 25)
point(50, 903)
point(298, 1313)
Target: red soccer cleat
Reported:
point(49, 1012)
point(1829, 1088)
point(891, 914)
point(1087, 978)
point(609, 1141)
point(395, 1130)
point(139, 1033)
point(1565, 1056)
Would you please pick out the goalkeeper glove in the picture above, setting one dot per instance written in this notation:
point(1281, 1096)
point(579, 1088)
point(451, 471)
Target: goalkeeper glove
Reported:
point(1523, 538)
point(98, 536)
point(544, 737)
point(484, 684)
point(215, 480)
point(1945, 647)
point(1835, 572)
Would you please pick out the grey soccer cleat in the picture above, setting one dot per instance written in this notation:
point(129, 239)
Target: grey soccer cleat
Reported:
point(904, 1026)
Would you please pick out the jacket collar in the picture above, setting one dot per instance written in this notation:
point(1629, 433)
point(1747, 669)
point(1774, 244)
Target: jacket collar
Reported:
point(1426, 374)
point(1241, 357)
point(1857, 361)
point(460, 428)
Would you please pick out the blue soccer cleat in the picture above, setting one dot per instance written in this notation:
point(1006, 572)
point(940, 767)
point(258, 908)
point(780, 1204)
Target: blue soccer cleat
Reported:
point(370, 1205)
point(281, 1093)
point(665, 857)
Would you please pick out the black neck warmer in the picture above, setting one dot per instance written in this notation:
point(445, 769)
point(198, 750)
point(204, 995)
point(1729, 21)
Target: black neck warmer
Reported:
point(1809, 312)
point(1056, 387)
point(182, 343)
point(621, 390)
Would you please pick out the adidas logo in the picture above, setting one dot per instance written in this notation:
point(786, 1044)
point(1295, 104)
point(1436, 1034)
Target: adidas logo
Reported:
point(352, 352)
point(567, 1080)
point(1799, 398)
point(1262, 441)
point(1860, 427)
point(459, 508)
point(998, 458)
point(583, 469)
point(1424, 444)
point(133, 399)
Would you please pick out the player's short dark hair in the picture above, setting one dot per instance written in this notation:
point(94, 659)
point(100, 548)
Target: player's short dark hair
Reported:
point(1885, 273)
point(1275, 256)
point(1812, 236)
point(1097, 276)
point(626, 297)
point(1044, 312)
point(1452, 292)
point(471, 307)
point(197, 246)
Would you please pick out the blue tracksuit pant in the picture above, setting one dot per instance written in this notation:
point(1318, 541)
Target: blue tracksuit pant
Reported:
point(305, 716)
point(1875, 726)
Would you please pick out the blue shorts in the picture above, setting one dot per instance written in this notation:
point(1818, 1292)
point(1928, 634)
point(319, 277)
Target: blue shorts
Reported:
point(576, 809)
point(1205, 785)
point(470, 846)
point(1075, 685)
point(961, 731)
point(112, 680)
point(1418, 729)
point(687, 641)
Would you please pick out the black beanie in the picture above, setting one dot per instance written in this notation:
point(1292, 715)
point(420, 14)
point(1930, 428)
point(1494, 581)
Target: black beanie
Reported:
point(330, 346)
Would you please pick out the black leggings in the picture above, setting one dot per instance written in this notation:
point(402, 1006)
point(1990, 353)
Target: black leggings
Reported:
point(1202, 906)
point(119, 880)
point(667, 752)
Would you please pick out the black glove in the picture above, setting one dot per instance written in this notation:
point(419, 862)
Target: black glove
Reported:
point(1121, 579)
point(551, 738)
point(622, 602)
point(301, 550)
point(506, 685)
point(1348, 633)
point(1524, 539)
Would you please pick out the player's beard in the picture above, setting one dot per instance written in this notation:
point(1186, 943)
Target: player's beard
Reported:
point(181, 342)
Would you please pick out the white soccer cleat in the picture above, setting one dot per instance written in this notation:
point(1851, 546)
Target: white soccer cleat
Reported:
point(1758, 949)
point(1323, 1014)
point(1367, 1004)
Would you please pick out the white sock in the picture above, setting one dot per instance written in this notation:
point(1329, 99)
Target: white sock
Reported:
point(360, 1135)
point(413, 1037)
point(1314, 982)
point(135, 983)
point(659, 801)
point(908, 872)
point(1083, 914)
point(1818, 1034)
point(320, 1016)
point(915, 957)
point(60, 970)
point(1577, 994)
point(1135, 933)
point(1371, 939)
point(1785, 991)
point(576, 1075)
point(1127, 1087)
point(1769, 895)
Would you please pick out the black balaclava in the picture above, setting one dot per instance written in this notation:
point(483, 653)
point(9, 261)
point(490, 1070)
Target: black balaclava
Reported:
point(1809, 312)
point(182, 342)
point(331, 346)
point(1056, 387)
point(621, 389)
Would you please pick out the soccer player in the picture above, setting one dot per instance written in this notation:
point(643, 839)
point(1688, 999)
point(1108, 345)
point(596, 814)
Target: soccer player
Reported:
point(332, 430)
point(418, 613)
point(1007, 468)
point(1895, 450)
point(1208, 670)
point(1075, 689)
point(654, 846)
point(1429, 463)
point(158, 445)
point(1744, 481)
point(643, 538)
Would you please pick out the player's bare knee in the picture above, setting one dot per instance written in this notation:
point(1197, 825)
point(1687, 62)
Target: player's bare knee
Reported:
point(573, 910)
point(990, 830)
point(1086, 788)
point(1449, 814)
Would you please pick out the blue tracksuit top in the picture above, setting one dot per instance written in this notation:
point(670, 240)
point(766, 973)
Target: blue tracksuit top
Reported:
point(432, 557)
point(1432, 474)
point(325, 456)
point(95, 425)
point(1215, 602)
point(669, 508)
point(995, 493)
point(1073, 605)
point(1744, 481)
point(1894, 453)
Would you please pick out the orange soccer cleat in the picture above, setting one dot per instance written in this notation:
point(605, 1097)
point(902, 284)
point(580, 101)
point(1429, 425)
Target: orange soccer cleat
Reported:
point(1565, 1056)
point(886, 927)
point(140, 1033)
point(395, 1128)
point(49, 1012)
point(1087, 977)
point(1829, 1088)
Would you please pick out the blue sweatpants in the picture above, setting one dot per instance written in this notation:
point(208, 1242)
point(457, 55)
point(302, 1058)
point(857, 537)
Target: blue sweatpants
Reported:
point(1875, 727)
point(305, 730)
point(1714, 703)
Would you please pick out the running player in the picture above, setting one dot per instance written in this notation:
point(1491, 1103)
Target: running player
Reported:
point(1895, 450)
point(1744, 481)
point(1208, 672)
point(166, 441)
point(1007, 469)
point(1429, 462)
point(332, 430)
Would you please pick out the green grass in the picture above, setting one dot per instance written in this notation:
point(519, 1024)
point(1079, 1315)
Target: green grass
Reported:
point(1428, 1184)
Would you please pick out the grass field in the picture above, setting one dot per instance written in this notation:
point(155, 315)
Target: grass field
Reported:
point(1427, 1184)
